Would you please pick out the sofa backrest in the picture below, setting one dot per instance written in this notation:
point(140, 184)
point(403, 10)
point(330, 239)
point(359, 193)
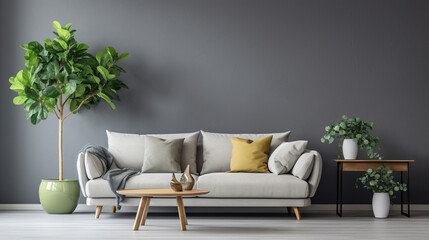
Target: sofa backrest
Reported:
point(128, 149)
point(217, 148)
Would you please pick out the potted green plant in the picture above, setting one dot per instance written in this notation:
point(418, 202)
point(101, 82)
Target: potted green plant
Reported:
point(352, 133)
point(382, 183)
point(58, 74)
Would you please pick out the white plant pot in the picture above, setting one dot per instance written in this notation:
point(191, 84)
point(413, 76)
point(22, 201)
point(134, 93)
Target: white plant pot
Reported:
point(350, 149)
point(381, 205)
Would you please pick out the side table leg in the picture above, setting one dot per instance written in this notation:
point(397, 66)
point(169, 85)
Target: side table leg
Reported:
point(182, 214)
point(338, 184)
point(139, 213)
point(402, 193)
point(408, 188)
point(339, 189)
point(408, 213)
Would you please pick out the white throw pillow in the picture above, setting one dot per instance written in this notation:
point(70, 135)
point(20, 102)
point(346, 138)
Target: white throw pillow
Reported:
point(128, 149)
point(284, 157)
point(303, 166)
point(94, 167)
point(217, 148)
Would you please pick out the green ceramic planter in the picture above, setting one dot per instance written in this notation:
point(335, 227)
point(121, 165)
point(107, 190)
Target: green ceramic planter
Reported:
point(59, 197)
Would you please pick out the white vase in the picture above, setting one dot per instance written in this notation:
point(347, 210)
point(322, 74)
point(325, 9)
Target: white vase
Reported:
point(350, 149)
point(381, 205)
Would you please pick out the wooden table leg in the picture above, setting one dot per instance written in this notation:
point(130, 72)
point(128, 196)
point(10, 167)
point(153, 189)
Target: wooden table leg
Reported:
point(182, 214)
point(146, 209)
point(139, 213)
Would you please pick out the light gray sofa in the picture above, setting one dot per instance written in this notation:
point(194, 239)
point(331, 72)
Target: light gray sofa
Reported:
point(209, 163)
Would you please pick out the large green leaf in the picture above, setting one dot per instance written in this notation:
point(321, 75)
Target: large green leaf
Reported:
point(61, 42)
point(107, 99)
point(81, 46)
point(48, 42)
point(67, 27)
point(73, 105)
point(43, 113)
point(19, 100)
point(17, 85)
point(99, 56)
point(75, 78)
point(35, 46)
point(32, 60)
point(123, 55)
point(53, 68)
point(105, 73)
point(28, 104)
point(51, 91)
point(70, 88)
point(112, 53)
point(64, 34)
point(34, 119)
point(56, 25)
point(31, 93)
point(80, 90)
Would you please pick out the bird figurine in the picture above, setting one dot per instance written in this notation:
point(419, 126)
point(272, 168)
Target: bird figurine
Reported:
point(187, 180)
point(175, 185)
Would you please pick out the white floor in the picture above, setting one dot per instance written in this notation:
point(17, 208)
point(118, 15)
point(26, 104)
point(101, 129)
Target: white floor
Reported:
point(313, 225)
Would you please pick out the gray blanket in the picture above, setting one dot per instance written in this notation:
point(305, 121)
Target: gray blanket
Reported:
point(115, 176)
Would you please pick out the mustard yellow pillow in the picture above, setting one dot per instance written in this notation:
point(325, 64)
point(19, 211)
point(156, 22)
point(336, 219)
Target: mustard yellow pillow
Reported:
point(250, 156)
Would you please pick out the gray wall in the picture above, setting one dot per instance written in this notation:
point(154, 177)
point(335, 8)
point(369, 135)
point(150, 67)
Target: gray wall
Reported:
point(230, 66)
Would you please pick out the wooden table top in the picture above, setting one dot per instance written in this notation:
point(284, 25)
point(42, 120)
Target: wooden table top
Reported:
point(164, 192)
point(369, 160)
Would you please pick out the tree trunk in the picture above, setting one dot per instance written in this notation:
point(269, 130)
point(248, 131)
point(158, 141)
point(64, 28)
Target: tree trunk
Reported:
point(60, 137)
point(61, 148)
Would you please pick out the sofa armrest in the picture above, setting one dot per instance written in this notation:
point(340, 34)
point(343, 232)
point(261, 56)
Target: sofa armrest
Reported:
point(316, 173)
point(83, 179)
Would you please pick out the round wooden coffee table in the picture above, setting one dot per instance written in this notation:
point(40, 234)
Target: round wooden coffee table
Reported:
point(147, 193)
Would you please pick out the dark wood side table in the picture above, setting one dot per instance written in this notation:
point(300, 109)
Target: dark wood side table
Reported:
point(363, 165)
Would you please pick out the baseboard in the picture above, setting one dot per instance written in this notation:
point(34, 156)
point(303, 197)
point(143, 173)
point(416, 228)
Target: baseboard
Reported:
point(312, 208)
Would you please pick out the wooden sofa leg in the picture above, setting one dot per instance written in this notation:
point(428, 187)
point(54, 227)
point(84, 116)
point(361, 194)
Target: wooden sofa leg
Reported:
point(297, 214)
point(98, 211)
point(113, 209)
point(289, 210)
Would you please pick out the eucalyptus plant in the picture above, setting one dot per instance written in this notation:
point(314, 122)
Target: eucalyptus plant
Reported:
point(62, 73)
point(380, 180)
point(356, 129)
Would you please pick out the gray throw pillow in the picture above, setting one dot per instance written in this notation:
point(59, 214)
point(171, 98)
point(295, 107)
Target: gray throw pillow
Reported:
point(284, 157)
point(303, 166)
point(161, 155)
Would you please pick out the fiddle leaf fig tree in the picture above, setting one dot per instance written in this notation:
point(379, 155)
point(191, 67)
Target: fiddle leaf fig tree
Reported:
point(61, 74)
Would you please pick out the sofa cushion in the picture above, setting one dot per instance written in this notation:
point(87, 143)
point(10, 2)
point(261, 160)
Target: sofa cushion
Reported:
point(249, 155)
point(284, 157)
point(303, 166)
point(94, 167)
point(161, 155)
point(128, 149)
point(252, 185)
point(217, 148)
point(99, 188)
